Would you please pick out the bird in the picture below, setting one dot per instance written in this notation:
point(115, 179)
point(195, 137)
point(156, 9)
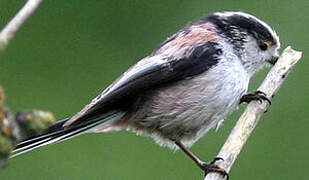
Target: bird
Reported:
point(186, 86)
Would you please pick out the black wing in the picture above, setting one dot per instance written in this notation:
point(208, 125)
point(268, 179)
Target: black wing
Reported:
point(149, 73)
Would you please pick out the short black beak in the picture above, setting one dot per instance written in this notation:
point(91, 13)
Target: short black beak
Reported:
point(273, 60)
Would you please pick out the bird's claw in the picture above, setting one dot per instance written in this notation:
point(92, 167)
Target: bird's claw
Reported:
point(216, 159)
point(257, 96)
point(212, 167)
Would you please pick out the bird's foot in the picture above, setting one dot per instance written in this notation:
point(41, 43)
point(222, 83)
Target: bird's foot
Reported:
point(254, 96)
point(206, 167)
point(212, 167)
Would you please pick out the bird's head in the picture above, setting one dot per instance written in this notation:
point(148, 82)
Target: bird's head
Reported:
point(254, 41)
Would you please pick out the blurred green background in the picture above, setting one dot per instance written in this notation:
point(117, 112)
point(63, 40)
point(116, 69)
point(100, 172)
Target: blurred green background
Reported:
point(70, 50)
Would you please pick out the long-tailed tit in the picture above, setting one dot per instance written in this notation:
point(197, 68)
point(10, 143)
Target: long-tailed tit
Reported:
point(185, 87)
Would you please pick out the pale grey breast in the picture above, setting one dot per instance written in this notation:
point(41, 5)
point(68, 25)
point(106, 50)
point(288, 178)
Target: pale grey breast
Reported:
point(187, 109)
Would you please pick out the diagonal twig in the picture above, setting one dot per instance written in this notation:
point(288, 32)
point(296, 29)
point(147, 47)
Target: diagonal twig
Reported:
point(11, 28)
point(10, 130)
point(254, 111)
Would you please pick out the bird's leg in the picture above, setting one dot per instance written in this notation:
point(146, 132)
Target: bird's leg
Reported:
point(206, 167)
point(254, 96)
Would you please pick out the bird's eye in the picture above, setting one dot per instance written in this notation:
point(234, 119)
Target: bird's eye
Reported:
point(264, 46)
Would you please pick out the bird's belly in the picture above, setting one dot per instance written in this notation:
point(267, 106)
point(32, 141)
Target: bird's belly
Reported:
point(187, 109)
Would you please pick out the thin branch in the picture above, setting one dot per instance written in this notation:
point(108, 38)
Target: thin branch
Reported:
point(254, 111)
point(36, 120)
point(11, 28)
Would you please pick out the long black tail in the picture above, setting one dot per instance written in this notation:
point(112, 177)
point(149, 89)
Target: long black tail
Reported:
point(57, 133)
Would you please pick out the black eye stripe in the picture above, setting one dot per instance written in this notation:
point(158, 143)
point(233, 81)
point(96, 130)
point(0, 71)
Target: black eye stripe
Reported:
point(246, 24)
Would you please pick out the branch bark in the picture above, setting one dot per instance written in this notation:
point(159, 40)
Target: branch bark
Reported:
point(254, 111)
point(11, 28)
